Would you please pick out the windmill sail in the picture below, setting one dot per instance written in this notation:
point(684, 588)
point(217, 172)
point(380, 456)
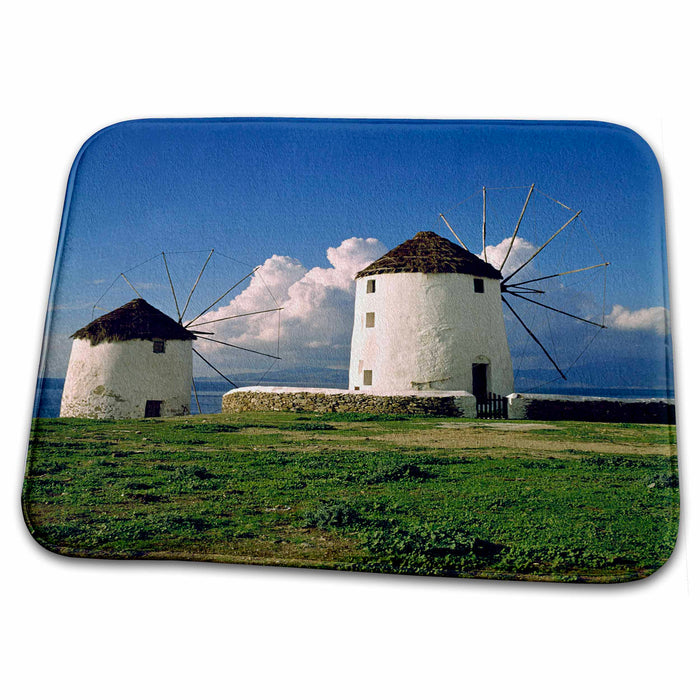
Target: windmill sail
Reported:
point(554, 277)
point(197, 292)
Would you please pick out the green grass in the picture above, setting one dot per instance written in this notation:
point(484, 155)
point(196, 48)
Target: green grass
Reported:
point(586, 502)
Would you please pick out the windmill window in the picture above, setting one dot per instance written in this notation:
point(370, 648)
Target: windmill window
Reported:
point(367, 377)
point(371, 286)
point(479, 286)
point(369, 319)
point(159, 346)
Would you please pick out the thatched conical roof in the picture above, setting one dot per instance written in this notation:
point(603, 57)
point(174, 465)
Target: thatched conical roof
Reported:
point(429, 253)
point(136, 320)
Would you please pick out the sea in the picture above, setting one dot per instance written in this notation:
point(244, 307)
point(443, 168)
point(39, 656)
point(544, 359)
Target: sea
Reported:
point(47, 402)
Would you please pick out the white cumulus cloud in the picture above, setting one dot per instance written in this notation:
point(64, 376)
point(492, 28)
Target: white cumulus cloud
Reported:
point(654, 318)
point(520, 252)
point(315, 325)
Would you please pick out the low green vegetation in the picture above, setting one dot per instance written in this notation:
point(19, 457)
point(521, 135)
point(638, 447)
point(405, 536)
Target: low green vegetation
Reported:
point(413, 495)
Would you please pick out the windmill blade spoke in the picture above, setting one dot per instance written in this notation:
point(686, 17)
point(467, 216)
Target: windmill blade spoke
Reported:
point(558, 274)
point(442, 216)
point(561, 204)
point(131, 285)
point(523, 290)
point(230, 289)
point(552, 308)
point(221, 374)
point(534, 337)
point(543, 246)
point(199, 277)
point(228, 318)
point(196, 396)
point(267, 371)
point(483, 223)
point(116, 279)
point(464, 201)
point(238, 347)
point(172, 287)
point(517, 226)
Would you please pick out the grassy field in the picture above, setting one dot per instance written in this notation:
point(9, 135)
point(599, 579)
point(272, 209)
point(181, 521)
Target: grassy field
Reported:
point(560, 501)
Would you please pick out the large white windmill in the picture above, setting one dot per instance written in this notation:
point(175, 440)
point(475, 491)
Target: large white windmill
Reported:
point(430, 314)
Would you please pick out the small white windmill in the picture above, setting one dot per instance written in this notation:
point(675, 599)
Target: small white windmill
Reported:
point(136, 361)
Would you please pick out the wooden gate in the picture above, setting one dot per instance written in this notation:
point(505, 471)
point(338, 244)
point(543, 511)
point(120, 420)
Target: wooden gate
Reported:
point(492, 405)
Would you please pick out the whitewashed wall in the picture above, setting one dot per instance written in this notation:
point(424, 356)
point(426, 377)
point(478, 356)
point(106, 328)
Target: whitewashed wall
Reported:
point(114, 380)
point(429, 330)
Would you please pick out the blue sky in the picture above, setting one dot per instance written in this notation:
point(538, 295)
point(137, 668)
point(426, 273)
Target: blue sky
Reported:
point(254, 189)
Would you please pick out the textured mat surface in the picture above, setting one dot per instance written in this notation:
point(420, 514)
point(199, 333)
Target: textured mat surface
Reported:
point(419, 347)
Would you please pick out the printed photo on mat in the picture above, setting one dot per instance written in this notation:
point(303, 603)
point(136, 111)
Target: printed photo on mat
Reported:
point(414, 347)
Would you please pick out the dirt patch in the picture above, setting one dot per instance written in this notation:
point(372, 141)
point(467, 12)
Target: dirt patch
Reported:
point(496, 438)
point(314, 548)
point(478, 436)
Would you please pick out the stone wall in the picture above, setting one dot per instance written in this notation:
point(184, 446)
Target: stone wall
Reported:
point(441, 403)
point(429, 403)
point(596, 409)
